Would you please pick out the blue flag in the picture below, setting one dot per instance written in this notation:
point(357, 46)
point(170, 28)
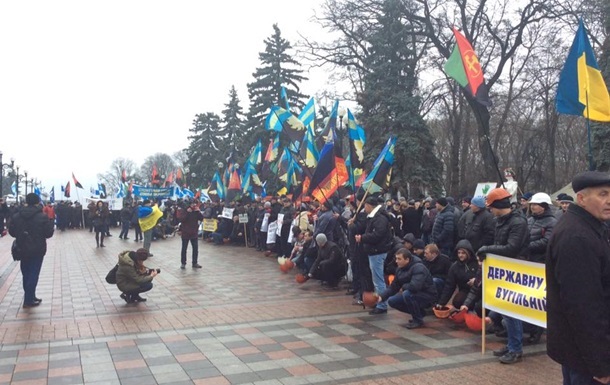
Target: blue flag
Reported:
point(582, 90)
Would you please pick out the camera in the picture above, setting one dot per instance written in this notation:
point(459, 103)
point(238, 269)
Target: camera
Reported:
point(151, 270)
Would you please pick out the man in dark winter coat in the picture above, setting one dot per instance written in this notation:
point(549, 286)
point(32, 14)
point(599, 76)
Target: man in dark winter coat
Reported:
point(477, 225)
point(377, 240)
point(329, 266)
point(461, 275)
point(578, 284)
point(438, 264)
point(510, 240)
point(31, 228)
point(443, 229)
point(189, 232)
point(412, 289)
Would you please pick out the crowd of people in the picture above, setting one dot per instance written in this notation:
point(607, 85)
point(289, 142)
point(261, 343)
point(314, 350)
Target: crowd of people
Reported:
point(414, 254)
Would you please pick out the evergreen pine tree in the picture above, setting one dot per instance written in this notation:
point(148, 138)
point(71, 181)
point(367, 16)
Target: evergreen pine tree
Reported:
point(390, 105)
point(204, 151)
point(233, 126)
point(278, 69)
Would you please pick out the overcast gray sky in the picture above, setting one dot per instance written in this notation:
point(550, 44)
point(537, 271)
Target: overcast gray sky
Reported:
point(85, 82)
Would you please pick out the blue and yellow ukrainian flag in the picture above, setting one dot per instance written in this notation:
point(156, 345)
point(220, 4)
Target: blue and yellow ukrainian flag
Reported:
point(308, 114)
point(379, 178)
point(582, 90)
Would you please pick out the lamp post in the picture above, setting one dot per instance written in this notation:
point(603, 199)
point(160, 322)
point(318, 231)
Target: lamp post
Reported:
point(25, 174)
point(3, 167)
point(18, 178)
point(193, 176)
point(341, 114)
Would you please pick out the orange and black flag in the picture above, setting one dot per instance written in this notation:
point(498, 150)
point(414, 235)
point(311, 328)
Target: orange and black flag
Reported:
point(123, 176)
point(328, 176)
point(234, 189)
point(76, 182)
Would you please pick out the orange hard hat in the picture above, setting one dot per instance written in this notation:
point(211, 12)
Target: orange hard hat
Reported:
point(473, 321)
point(458, 316)
point(300, 278)
point(496, 194)
point(369, 298)
point(442, 312)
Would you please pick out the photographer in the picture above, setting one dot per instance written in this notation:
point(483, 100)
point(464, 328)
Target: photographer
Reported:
point(133, 277)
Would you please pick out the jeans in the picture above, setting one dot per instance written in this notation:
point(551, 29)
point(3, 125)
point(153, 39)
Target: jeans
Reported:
point(217, 238)
point(195, 247)
point(144, 287)
point(147, 239)
point(410, 304)
point(376, 263)
point(30, 269)
point(514, 329)
point(439, 283)
point(572, 377)
point(124, 229)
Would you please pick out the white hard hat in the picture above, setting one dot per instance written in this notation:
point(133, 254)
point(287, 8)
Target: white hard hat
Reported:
point(541, 198)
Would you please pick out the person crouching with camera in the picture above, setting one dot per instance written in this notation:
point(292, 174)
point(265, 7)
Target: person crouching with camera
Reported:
point(133, 277)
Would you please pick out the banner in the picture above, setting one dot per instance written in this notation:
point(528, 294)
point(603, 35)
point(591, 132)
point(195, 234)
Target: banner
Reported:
point(243, 218)
point(151, 192)
point(516, 288)
point(210, 225)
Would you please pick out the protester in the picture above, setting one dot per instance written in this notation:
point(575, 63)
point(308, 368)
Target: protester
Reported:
point(98, 217)
point(148, 215)
point(438, 264)
point(510, 240)
point(132, 277)
point(377, 239)
point(461, 276)
point(578, 283)
point(329, 266)
point(31, 227)
point(126, 213)
point(442, 231)
point(412, 289)
point(189, 231)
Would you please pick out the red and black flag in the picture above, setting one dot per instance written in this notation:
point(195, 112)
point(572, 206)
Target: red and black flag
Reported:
point(156, 179)
point(67, 190)
point(329, 175)
point(234, 188)
point(463, 66)
point(76, 182)
point(123, 176)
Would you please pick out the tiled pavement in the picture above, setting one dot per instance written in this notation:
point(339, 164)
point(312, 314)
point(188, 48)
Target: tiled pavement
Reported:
point(238, 320)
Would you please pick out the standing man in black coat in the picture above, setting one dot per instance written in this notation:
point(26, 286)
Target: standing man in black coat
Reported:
point(578, 284)
point(31, 228)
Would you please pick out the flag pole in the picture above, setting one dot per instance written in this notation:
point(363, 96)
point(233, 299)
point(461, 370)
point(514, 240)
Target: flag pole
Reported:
point(588, 125)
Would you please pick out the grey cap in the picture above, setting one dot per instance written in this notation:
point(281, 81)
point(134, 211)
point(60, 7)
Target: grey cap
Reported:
point(321, 239)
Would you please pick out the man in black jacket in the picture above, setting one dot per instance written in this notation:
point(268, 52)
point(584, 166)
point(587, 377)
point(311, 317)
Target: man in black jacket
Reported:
point(578, 284)
point(329, 266)
point(510, 240)
point(377, 240)
point(412, 289)
point(31, 228)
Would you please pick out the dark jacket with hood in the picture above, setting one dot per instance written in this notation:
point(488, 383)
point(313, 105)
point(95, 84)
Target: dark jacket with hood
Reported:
point(415, 278)
point(478, 228)
point(378, 237)
point(578, 293)
point(511, 236)
point(541, 228)
point(38, 226)
point(460, 273)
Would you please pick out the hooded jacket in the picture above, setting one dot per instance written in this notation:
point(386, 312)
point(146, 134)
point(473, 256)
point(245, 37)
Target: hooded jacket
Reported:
point(460, 273)
point(128, 277)
point(415, 278)
point(39, 227)
point(443, 229)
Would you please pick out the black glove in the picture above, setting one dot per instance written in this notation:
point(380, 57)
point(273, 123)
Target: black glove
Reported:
point(482, 253)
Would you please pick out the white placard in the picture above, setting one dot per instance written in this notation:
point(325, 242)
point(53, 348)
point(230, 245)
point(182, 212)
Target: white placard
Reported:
point(265, 224)
point(227, 213)
point(243, 218)
point(271, 232)
point(280, 221)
